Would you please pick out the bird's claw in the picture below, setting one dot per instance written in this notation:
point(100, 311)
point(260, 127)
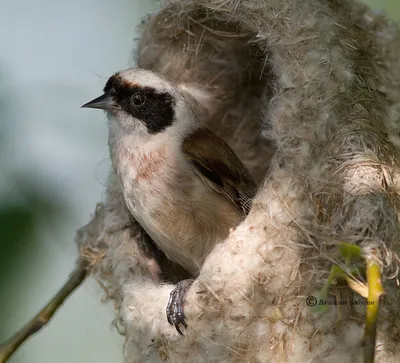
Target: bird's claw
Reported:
point(175, 313)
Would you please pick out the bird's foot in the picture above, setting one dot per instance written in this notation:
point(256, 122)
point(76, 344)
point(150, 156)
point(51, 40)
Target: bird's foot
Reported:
point(175, 314)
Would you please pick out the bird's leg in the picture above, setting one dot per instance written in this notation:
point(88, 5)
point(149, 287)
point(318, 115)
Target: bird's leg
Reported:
point(175, 313)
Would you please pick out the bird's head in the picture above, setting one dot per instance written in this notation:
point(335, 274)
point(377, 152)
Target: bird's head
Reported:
point(143, 103)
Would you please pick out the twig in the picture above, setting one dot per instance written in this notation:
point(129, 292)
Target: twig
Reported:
point(8, 348)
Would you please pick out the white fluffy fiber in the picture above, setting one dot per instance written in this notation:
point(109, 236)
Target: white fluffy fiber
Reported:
point(308, 94)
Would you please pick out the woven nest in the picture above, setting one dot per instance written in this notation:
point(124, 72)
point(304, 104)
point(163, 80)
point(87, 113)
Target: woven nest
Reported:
point(307, 93)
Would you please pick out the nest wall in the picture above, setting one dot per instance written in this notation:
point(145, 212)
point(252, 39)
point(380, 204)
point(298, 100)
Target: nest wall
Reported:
point(307, 93)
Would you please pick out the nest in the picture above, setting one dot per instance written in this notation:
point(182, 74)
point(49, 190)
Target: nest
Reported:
point(307, 93)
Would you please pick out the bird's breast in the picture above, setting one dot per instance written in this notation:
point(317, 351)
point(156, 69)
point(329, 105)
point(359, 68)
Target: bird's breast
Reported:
point(164, 194)
point(151, 165)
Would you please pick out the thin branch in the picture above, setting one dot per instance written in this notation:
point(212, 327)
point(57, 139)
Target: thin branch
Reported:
point(8, 348)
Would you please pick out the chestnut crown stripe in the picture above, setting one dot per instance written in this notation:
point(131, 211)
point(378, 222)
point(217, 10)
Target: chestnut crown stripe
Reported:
point(157, 109)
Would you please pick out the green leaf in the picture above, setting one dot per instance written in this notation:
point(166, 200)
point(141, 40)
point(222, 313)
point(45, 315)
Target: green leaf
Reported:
point(350, 252)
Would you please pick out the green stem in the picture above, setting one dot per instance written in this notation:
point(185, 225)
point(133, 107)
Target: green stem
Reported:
point(375, 291)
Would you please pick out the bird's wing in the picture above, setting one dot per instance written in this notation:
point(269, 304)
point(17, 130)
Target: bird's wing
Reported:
point(220, 168)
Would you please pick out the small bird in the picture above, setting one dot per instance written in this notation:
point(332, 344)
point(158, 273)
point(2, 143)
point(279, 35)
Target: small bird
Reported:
point(182, 183)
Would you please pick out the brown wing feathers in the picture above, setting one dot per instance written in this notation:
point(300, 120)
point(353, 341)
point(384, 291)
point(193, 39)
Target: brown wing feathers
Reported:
point(220, 168)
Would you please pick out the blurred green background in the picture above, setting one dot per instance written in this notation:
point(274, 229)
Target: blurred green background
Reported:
point(55, 56)
point(390, 7)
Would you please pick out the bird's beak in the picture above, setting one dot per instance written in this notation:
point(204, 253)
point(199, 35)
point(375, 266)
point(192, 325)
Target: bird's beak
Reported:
point(104, 102)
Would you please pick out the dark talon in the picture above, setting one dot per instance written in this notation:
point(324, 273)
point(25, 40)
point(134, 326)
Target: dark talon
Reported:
point(178, 329)
point(175, 313)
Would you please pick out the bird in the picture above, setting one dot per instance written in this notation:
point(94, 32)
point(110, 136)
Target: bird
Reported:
point(181, 182)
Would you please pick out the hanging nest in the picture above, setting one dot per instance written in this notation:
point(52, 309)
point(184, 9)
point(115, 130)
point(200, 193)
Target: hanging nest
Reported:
point(307, 93)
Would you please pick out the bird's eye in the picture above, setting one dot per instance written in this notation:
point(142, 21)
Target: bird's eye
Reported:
point(138, 99)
